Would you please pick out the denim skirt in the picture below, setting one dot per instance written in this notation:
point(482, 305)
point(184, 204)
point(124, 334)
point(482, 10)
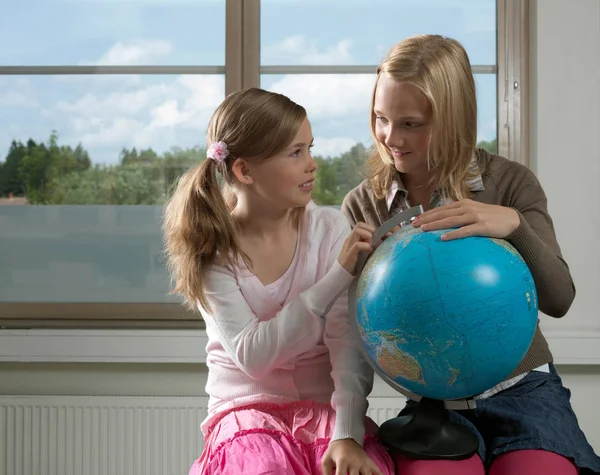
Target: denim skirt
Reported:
point(535, 413)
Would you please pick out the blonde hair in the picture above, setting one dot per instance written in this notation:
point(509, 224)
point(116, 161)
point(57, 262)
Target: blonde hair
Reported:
point(198, 226)
point(440, 68)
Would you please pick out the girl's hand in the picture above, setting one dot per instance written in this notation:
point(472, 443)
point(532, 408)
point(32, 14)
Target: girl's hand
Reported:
point(358, 241)
point(471, 218)
point(347, 457)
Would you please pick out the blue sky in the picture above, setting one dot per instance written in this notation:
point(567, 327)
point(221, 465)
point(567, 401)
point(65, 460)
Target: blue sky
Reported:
point(107, 113)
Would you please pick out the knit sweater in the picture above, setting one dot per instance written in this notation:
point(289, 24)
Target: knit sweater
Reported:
point(506, 183)
point(260, 351)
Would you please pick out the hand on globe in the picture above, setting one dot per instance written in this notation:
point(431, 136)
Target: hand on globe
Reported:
point(346, 456)
point(358, 241)
point(471, 218)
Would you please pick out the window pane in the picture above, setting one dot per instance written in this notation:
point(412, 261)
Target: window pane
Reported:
point(112, 32)
point(329, 32)
point(95, 254)
point(109, 142)
point(92, 124)
point(338, 108)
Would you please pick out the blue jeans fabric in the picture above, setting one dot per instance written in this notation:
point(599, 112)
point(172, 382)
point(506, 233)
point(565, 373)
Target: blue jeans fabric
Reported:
point(535, 413)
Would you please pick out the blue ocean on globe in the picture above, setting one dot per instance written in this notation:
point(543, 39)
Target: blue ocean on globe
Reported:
point(445, 319)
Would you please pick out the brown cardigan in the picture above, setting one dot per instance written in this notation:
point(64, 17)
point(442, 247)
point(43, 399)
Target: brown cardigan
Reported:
point(511, 184)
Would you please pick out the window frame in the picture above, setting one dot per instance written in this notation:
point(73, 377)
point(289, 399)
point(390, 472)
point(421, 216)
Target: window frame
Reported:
point(242, 70)
point(513, 20)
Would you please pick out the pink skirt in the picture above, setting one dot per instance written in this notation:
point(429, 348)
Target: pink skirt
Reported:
point(277, 439)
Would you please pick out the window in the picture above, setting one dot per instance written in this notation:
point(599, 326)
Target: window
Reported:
point(103, 108)
point(327, 57)
point(108, 102)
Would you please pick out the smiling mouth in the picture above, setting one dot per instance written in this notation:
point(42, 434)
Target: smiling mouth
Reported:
point(308, 184)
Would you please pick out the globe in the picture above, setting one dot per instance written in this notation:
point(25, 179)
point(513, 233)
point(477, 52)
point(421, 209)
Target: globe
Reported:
point(444, 319)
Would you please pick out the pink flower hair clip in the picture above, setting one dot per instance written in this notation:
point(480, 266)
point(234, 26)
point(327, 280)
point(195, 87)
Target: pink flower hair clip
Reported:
point(218, 152)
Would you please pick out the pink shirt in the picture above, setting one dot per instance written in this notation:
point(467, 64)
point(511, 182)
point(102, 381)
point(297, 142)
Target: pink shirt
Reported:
point(260, 351)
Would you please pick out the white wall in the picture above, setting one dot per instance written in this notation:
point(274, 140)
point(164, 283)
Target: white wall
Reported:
point(565, 139)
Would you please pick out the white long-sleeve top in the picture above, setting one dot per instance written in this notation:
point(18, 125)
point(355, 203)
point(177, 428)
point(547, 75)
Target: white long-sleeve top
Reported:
point(260, 351)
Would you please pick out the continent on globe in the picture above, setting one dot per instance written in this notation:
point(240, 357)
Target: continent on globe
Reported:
point(444, 319)
point(396, 364)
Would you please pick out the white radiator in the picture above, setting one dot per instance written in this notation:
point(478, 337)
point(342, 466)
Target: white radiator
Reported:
point(111, 435)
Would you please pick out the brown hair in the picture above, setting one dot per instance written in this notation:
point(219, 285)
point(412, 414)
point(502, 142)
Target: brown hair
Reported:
point(440, 68)
point(254, 124)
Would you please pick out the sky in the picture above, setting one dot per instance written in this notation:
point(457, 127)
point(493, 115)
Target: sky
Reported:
point(108, 113)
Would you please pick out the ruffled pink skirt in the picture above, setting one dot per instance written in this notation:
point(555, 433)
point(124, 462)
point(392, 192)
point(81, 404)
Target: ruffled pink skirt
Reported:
point(278, 439)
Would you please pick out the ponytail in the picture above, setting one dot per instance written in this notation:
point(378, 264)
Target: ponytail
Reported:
point(198, 229)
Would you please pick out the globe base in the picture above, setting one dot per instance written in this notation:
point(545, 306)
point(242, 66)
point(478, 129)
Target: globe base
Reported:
point(427, 433)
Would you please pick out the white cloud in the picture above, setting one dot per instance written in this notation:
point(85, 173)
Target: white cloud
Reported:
point(167, 114)
point(160, 112)
point(134, 52)
point(155, 115)
point(198, 96)
point(129, 103)
point(106, 80)
point(107, 113)
point(333, 146)
point(324, 96)
point(115, 132)
point(328, 95)
point(300, 50)
point(130, 53)
point(203, 95)
point(16, 99)
point(149, 117)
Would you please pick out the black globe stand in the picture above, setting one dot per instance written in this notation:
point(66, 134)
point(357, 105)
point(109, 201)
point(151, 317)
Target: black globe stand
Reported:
point(425, 432)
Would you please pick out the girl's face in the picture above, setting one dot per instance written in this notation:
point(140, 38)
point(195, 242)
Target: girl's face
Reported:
point(287, 179)
point(403, 118)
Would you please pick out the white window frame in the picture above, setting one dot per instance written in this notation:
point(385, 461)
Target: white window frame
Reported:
point(513, 21)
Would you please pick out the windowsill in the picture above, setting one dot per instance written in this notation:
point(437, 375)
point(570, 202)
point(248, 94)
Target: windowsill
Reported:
point(103, 346)
point(188, 346)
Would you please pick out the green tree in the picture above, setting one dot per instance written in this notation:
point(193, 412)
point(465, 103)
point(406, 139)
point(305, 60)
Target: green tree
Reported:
point(134, 181)
point(10, 181)
point(491, 146)
point(349, 169)
point(145, 157)
point(176, 161)
point(82, 158)
point(44, 163)
point(325, 187)
point(60, 174)
point(33, 171)
point(336, 176)
point(110, 185)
